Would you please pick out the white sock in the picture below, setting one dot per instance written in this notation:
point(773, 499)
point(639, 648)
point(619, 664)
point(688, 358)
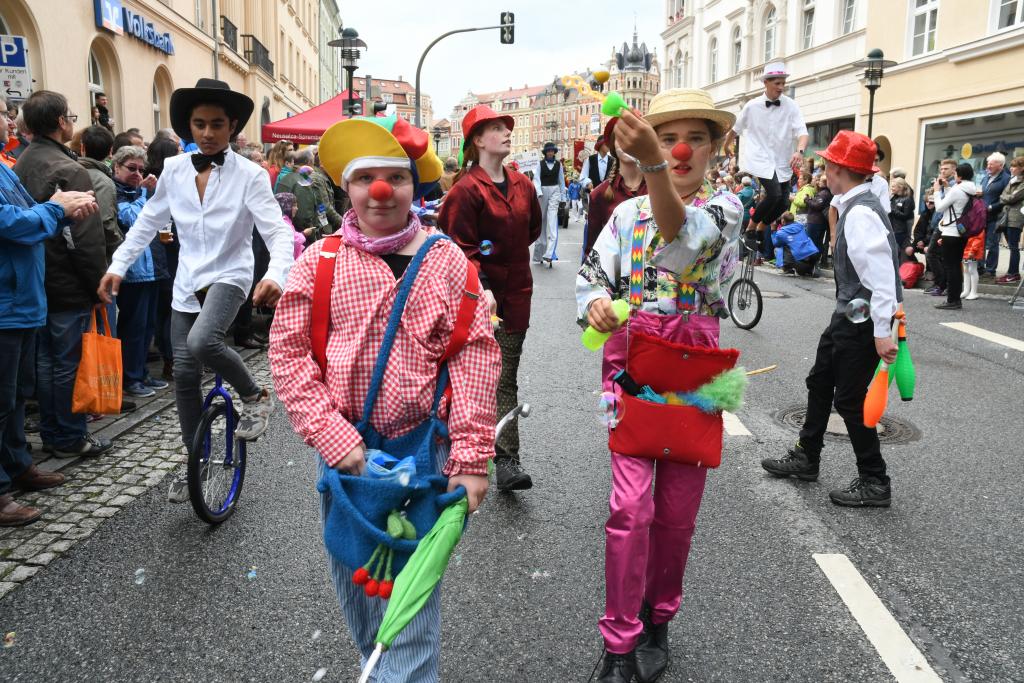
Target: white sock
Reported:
point(972, 278)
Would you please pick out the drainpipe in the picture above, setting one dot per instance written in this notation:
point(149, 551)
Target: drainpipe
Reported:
point(216, 42)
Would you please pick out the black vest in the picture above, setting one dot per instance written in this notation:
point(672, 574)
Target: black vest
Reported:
point(848, 284)
point(549, 177)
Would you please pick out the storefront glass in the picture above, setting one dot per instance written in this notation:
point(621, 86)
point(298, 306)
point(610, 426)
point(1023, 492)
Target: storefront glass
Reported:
point(971, 139)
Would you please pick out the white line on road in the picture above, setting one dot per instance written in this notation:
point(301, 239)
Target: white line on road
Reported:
point(733, 426)
point(898, 652)
point(1014, 344)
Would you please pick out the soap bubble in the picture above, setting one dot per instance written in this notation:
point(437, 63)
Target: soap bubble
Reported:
point(611, 409)
point(858, 311)
point(486, 248)
point(140, 576)
point(251, 575)
point(305, 176)
point(316, 635)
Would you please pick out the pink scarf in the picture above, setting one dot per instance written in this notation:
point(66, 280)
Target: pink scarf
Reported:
point(378, 245)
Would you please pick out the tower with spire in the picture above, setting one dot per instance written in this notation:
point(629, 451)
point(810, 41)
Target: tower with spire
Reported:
point(635, 73)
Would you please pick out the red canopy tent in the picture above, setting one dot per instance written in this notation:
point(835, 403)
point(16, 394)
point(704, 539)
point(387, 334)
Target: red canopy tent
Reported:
point(307, 127)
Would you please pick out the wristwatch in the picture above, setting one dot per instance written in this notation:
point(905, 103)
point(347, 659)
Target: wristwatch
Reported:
point(655, 168)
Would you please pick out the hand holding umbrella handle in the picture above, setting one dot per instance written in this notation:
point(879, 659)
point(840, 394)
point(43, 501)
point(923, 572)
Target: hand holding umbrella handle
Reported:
point(446, 499)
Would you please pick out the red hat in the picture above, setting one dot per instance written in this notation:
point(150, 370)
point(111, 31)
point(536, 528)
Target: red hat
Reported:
point(853, 150)
point(606, 137)
point(481, 113)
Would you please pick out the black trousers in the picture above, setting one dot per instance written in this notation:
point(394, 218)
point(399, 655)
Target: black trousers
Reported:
point(952, 257)
point(934, 260)
point(776, 199)
point(843, 368)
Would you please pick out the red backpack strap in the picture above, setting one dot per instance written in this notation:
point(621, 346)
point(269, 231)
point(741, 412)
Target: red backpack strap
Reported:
point(464, 318)
point(320, 322)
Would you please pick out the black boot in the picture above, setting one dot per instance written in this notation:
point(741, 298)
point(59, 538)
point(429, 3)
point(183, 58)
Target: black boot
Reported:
point(617, 668)
point(510, 475)
point(651, 649)
point(796, 463)
point(863, 492)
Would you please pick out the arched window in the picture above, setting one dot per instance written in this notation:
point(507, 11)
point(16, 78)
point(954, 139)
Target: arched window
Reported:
point(156, 108)
point(771, 27)
point(95, 78)
point(668, 74)
point(737, 50)
point(684, 69)
point(3, 26)
point(713, 61)
point(677, 78)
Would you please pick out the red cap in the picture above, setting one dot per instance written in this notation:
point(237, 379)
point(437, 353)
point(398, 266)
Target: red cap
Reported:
point(481, 113)
point(853, 150)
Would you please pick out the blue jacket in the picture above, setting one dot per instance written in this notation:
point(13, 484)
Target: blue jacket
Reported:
point(795, 237)
point(991, 188)
point(151, 265)
point(24, 226)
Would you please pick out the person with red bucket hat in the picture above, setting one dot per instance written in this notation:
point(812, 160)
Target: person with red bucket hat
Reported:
point(866, 268)
point(492, 212)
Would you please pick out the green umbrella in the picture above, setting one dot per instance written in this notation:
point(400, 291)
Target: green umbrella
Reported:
point(417, 580)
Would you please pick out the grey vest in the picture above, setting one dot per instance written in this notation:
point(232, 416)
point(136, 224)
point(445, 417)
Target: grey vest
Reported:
point(848, 284)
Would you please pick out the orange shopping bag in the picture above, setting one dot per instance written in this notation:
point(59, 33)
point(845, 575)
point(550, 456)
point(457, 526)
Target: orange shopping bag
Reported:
point(98, 384)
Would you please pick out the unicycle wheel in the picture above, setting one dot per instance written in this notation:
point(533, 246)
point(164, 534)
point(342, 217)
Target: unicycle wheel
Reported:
point(216, 466)
point(745, 304)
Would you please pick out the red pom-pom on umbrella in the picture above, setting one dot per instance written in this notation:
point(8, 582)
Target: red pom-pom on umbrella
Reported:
point(385, 589)
point(371, 588)
point(360, 576)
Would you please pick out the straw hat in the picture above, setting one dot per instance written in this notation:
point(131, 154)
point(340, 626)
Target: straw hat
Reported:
point(687, 103)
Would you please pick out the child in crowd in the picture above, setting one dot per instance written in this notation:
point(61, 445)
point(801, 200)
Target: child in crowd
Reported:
point(974, 252)
point(799, 252)
point(289, 207)
point(574, 196)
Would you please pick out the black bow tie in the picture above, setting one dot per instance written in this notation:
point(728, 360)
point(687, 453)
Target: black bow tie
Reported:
point(203, 161)
point(773, 103)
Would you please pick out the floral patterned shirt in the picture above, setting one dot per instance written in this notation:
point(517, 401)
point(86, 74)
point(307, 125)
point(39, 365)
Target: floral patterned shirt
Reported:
point(687, 275)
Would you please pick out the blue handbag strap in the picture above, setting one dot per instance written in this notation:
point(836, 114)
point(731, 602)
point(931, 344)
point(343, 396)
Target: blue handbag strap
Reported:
point(394, 319)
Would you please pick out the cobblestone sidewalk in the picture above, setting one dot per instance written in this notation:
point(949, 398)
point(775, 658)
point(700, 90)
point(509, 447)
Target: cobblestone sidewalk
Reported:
point(96, 490)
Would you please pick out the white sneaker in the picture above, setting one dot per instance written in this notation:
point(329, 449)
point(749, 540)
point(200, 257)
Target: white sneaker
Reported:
point(255, 417)
point(178, 492)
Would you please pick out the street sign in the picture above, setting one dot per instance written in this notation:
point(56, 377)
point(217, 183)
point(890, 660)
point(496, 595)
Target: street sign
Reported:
point(15, 79)
point(508, 28)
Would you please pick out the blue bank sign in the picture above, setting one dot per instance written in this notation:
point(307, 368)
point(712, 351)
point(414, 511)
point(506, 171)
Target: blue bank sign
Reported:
point(114, 17)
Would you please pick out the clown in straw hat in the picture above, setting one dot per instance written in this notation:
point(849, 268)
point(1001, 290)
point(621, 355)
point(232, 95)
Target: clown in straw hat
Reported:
point(667, 255)
point(774, 139)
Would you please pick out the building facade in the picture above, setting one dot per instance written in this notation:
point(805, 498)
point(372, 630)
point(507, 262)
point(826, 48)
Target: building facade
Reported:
point(329, 29)
point(399, 95)
point(722, 46)
point(957, 90)
point(138, 51)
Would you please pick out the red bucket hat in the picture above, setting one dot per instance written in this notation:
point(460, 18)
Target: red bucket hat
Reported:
point(853, 150)
point(479, 114)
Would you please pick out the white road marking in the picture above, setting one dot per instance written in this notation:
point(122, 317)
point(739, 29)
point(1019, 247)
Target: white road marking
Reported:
point(898, 652)
point(733, 426)
point(1014, 344)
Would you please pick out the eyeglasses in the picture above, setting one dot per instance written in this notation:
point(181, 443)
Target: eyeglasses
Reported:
point(71, 117)
point(133, 169)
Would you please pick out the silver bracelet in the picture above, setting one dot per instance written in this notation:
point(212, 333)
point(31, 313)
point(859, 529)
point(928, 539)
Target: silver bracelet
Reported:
point(652, 169)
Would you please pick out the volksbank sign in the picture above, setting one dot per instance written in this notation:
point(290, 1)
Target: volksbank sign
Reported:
point(112, 16)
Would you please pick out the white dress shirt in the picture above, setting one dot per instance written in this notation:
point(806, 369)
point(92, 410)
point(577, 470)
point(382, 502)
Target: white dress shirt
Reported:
point(879, 188)
point(215, 235)
point(602, 166)
point(867, 245)
point(768, 136)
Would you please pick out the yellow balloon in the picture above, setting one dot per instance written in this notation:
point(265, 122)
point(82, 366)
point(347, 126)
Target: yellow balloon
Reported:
point(601, 76)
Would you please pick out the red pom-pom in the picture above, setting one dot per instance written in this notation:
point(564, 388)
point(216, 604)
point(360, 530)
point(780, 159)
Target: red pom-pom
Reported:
point(381, 191)
point(682, 152)
point(385, 589)
point(371, 587)
point(360, 576)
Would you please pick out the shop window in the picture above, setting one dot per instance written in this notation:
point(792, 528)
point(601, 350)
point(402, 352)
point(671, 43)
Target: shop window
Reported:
point(771, 28)
point(737, 50)
point(808, 24)
point(1011, 13)
point(923, 20)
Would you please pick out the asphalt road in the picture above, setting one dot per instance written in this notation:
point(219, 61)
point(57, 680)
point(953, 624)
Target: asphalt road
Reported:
point(525, 587)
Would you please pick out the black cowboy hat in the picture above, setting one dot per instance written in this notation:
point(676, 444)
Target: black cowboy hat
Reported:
point(208, 91)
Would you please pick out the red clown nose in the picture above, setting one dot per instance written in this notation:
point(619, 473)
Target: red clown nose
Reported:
point(682, 152)
point(380, 191)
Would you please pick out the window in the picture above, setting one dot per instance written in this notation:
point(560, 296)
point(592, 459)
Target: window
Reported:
point(849, 15)
point(737, 50)
point(677, 78)
point(1010, 12)
point(926, 13)
point(713, 61)
point(156, 107)
point(808, 24)
point(95, 78)
point(771, 27)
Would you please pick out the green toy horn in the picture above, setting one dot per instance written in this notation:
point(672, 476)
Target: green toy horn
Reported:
point(613, 104)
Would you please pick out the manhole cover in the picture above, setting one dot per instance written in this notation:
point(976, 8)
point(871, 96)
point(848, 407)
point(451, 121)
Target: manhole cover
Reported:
point(773, 295)
point(891, 430)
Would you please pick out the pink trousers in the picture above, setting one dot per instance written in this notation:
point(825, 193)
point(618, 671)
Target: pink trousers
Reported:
point(647, 536)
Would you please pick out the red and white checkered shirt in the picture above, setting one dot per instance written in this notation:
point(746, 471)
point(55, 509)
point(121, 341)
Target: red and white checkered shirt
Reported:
point(323, 411)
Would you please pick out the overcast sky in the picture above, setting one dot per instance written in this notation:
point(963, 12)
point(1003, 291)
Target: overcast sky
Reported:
point(551, 38)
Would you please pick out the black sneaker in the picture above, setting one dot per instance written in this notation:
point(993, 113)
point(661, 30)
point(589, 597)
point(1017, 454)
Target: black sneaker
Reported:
point(795, 464)
point(88, 446)
point(866, 492)
point(617, 668)
point(510, 476)
point(651, 649)
point(949, 306)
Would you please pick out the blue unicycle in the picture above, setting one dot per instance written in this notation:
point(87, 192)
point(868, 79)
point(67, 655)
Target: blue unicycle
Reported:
point(216, 463)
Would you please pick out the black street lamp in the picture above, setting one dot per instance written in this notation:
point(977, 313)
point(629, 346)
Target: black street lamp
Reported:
point(437, 137)
point(874, 67)
point(350, 43)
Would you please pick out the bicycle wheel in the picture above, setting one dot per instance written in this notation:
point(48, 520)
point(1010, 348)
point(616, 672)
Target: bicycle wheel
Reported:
point(216, 467)
point(745, 303)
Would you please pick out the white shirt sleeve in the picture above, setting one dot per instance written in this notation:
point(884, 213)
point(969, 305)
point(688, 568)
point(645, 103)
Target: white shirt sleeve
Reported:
point(797, 124)
point(266, 214)
point(741, 120)
point(867, 244)
point(154, 215)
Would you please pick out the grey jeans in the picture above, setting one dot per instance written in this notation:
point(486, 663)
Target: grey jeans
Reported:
point(198, 340)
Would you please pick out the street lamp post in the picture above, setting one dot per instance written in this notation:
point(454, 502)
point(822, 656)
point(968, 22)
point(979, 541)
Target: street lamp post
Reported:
point(350, 43)
point(437, 137)
point(874, 68)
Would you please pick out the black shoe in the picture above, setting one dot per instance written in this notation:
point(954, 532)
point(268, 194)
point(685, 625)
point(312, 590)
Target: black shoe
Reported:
point(796, 464)
point(651, 649)
point(88, 446)
point(617, 668)
point(866, 492)
point(128, 406)
point(248, 343)
point(949, 306)
point(510, 475)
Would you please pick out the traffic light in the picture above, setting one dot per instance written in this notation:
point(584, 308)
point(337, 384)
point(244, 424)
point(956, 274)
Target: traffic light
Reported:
point(353, 107)
point(508, 28)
